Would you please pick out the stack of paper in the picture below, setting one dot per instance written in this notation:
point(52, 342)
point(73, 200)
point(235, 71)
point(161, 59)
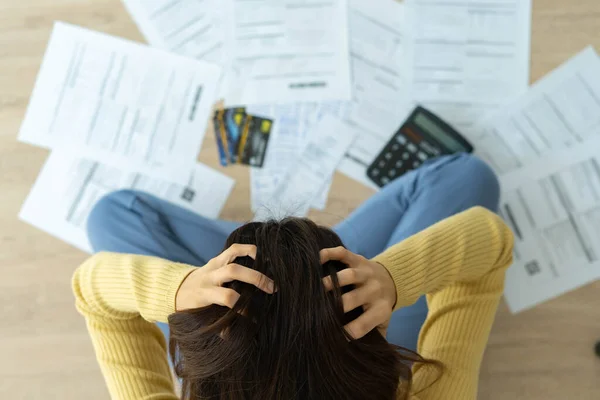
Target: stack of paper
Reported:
point(273, 51)
point(117, 115)
point(287, 61)
point(545, 147)
point(296, 60)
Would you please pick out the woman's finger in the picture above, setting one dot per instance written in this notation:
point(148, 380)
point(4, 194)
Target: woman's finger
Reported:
point(236, 272)
point(369, 320)
point(356, 298)
point(221, 296)
point(348, 276)
point(237, 250)
point(339, 253)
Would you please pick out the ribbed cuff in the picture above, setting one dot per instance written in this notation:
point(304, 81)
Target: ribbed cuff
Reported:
point(176, 278)
point(389, 260)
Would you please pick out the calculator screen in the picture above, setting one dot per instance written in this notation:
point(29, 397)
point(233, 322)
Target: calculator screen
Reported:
point(425, 123)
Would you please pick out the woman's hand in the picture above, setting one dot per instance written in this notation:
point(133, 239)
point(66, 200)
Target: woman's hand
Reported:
point(203, 287)
point(375, 290)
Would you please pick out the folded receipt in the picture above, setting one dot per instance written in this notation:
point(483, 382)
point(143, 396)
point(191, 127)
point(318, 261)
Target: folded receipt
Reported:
point(313, 169)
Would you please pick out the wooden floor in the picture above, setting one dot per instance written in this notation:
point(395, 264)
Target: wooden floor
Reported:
point(545, 353)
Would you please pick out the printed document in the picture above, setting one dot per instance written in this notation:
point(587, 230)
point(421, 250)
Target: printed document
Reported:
point(465, 58)
point(68, 187)
point(380, 101)
point(288, 51)
point(121, 103)
point(195, 29)
point(305, 179)
point(198, 29)
point(561, 110)
point(544, 146)
point(553, 208)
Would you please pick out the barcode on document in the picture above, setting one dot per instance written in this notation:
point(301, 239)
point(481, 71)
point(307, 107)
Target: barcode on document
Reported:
point(533, 268)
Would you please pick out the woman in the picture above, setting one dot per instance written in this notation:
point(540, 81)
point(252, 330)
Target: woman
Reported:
point(426, 233)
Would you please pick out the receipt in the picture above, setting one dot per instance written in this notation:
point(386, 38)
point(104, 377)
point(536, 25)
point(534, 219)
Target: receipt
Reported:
point(313, 169)
point(69, 186)
point(121, 103)
point(293, 126)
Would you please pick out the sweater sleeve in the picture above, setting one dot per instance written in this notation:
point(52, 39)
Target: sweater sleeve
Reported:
point(460, 264)
point(121, 296)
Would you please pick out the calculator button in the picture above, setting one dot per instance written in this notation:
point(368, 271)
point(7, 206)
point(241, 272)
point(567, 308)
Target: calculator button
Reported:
point(411, 147)
point(385, 180)
point(392, 173)
point(375, 172)
point(422, 156)
point(398, 164)
point(405, 156)
point(401, 139)
point(381, 164)
point(395, 147)
point(416, 164)
point(388, 156)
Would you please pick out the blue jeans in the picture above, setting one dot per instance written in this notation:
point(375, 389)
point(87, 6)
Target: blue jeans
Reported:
point(133, 222)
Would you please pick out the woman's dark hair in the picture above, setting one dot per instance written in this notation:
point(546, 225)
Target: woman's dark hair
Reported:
point(291, 344)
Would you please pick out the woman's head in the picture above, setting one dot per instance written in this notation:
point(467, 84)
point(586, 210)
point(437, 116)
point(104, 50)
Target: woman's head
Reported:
point(290, 344)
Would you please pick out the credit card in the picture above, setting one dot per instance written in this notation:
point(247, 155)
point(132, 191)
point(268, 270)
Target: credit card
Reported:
point(235, 119)
point(221, 136)
point(253, 141)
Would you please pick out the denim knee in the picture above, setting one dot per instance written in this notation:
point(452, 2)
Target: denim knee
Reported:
point(107, 211)
point(480, 180)
point(462, 178)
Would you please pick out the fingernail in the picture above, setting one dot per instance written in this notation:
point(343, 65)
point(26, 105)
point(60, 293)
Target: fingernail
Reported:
point(271, 286)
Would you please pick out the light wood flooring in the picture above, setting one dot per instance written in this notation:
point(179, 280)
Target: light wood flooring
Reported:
point(542, 354)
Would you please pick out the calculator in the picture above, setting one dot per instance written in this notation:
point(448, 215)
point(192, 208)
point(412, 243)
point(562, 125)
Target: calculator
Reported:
point(421, 137)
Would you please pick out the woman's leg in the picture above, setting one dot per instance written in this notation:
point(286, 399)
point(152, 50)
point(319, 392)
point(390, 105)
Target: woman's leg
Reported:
point(133, 222)
point(411, 203)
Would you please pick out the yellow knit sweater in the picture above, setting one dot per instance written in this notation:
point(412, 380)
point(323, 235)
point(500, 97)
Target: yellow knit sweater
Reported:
point(459, 263)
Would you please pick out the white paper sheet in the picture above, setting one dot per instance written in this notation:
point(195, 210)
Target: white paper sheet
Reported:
point(198, 29)
point(121, 103)
point(560, 110)
point(313, 169)
point(294, 125)
point(287, 51)
point(288, 136)
point(69, 186)
point(380, 100)
point(465, 58)
point(553, 207)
